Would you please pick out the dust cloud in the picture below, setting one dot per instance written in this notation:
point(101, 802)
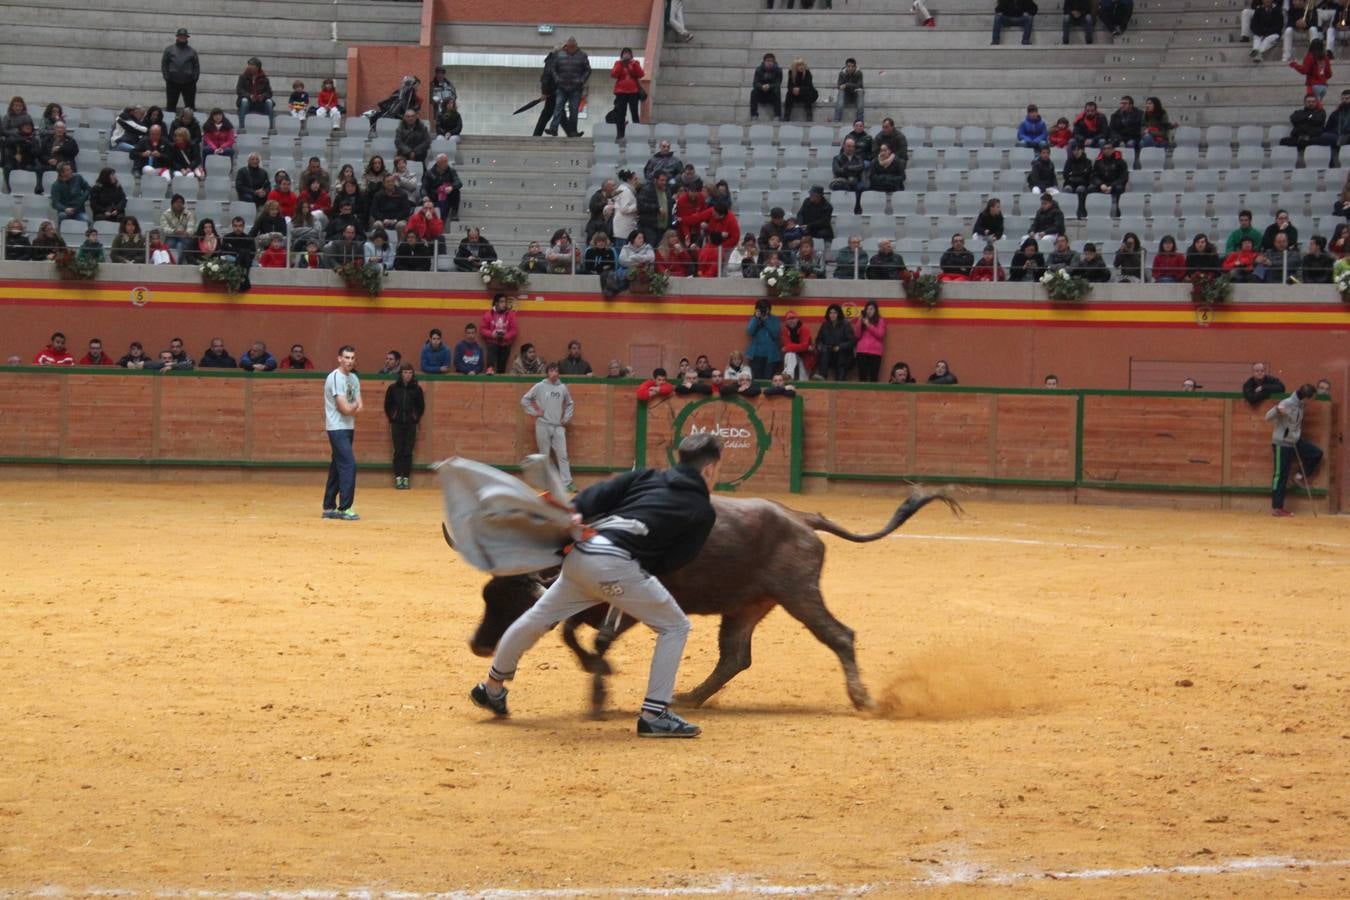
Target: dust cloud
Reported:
point(969, 680)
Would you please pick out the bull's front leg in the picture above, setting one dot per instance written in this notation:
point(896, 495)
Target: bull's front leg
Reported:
point(809, 609)
point(733, 652)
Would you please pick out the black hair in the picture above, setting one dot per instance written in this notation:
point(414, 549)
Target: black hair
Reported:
point(659, 372)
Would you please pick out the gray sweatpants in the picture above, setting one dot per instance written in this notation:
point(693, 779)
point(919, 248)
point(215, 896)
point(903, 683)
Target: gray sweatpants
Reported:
point(597, 571)
point(554, 437)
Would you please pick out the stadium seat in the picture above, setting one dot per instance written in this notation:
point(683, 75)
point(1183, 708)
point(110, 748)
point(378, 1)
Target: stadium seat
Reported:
point(989, 157)
point(1003, 136)
point(943, 136)
point(1152, 158)
point(972, 136)
point(922, 157)
point(1281, 157)
point(790, 135)
point(697, 132)
point(980, 181)
point(735, 156)
point(916, 135)
point(730, 134)
point(1251, 134)
point(796, 155)
point(287, 126)
point(948, 180)
point(22, 182)
point(821, 137)
point(666, 131)
point(760, 135)
point(759, 178)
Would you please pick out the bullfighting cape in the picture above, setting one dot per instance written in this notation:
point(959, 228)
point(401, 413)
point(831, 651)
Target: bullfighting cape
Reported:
point(502, 525)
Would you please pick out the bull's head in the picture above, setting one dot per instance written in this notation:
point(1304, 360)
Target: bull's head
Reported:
point(505, 599)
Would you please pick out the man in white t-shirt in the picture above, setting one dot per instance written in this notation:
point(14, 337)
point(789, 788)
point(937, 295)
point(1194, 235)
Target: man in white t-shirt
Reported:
point(341, 403)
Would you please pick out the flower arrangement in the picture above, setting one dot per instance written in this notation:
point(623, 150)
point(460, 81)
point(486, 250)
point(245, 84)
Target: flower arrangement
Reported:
point(358, 275)
point(1208, 290)
point(781, 281)
point(1343, 285)
point(926, 289)
point(223, 271)
point(1061, 284)
point(646, 280)
point(71, 265)
point(497, 275)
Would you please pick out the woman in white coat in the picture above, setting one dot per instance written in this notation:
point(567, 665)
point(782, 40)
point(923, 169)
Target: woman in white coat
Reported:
point(625, 207)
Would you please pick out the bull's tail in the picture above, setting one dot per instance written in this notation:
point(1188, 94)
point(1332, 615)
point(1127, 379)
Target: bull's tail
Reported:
point(917, 501)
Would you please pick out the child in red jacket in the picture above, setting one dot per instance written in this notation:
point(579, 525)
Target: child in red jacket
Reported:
point(655, 387)
point(1316, 69)
point(1061, 134)
point(274, 257)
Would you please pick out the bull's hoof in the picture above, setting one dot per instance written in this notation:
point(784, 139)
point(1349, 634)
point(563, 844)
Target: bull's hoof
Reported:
point(689, 699)
point(599, 694)
point(597, 665)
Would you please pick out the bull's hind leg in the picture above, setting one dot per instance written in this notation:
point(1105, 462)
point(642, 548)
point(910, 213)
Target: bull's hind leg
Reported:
point(733, 649)
point(809, 609)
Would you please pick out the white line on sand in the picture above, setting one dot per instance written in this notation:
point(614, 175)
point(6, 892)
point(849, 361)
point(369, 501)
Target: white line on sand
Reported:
point(1002, 540)
point(949, 874)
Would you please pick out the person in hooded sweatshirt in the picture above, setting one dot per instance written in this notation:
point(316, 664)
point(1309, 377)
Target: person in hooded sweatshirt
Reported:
point(1033, 132)
point(404, 405)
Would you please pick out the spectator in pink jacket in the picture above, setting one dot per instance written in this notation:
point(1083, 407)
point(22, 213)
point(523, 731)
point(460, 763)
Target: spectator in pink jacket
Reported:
point(871, 331)
point(499, 333)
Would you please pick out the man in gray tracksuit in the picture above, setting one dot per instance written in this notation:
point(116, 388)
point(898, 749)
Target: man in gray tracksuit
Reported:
point(1287, 440)
point(550, 403)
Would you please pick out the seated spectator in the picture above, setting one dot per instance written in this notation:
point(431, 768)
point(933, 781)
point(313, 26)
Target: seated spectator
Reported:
point(1283, 262)
point(900, 374)
point(986, 268)
point(205, 243)
point(655, 387)
point(390, 208)
point(1169, 265)
point(792, 235)
point(689, 385)
point(599, 257)
point(134, 358)
point(989, 223)
point(427, 221)
point(70, 195)
point(1316, 68)
point(449, 122)
point(1062, 257)
point(849, 89)
point(183, 158)
point(274, 255)
point(1110, 175)
point(297, 360)
point(441, 88)
point(1317, 262)
point(349, 248)
point(1202, 258)
point(414, 254)
point(17, 246)
point(885, 264)
point(158, 251)
point(894, 138)
point(269, 220)
point(23, 151)
point(378, 251)
point(1027, 263)
point(283, 196)
point(436, 359)
point(56, 147)
point(1116, 15)
point(672, 258)
point(719, 224)
point(127, 129)
point(775, 226)
point(1261, 386)
point(253, 93)
point(533, 261)
point(528, 362)
point(817, 213)
point(96, 356)
point(888, 175)
point(258, 359)
point(850, 173)
point(1018, 13)
point(800, 92)
point(956, 260)
point(179, 224)
point(1077, 177)
point(562, 257)
point(352, 206)
point(316, 199)
point(1307, 125)
point(766, 86)
point(372, 176)
point(745, 259)
point(1061, 135)
point(942, 374)
point(851, 262)
point(442, 184)
point(187, 119)
point(1048, 221)
point(1032, 132)
point(217, 136)
point(1281, 225)
point(46, 242)
point(637, 252)
point(777, 248)
point(1267, 27)
point(473, 251)
point(1078, 14)
point(861, 139)
point(1244, 230)
point(1157, 126)
point(55, 353)
point(468, 353)
point(745, 386)
point(1090, 128)
point(810, 263)
point(252, 182)
point(412, 138)
point(1091, 266)
point(1245, 264)
point(1129, 259)
point(1126, 126)
point(798, 348)
point(217, 357)
point(107, 200)
point(1041, 178)
point(128, 245)
point(664, 161)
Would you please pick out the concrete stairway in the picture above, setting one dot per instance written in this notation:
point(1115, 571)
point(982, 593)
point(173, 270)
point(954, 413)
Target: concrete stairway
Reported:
point(1184, 51)
point(106, 52)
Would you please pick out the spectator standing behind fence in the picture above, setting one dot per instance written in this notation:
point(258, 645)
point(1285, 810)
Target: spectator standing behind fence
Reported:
point(571, 72)
point(627, 74)
point(550, 404)
point(1019, 13)
point(834, 345)
point(181, 69)
point(341, 403)
point(871, 342)
point(499, 330)
point(767, 87)
point(468, 353)
point(404, 406)
point(764, 349)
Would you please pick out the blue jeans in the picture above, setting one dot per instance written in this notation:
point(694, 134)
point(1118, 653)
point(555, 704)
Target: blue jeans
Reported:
point(341, 488)
point(264, 108)
point(1084, 22)
point(566, 101)
point(1025, 21)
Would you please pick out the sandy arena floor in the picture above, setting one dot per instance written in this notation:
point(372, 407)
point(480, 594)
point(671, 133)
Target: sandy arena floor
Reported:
point(207, 688)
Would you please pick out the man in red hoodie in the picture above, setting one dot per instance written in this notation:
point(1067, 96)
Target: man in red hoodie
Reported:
point(655, 387)
point(55, 353)
point(96, 356)
point(798, 357)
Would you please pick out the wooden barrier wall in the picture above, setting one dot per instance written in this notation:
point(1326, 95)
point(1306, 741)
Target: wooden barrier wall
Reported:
point(1092, 445)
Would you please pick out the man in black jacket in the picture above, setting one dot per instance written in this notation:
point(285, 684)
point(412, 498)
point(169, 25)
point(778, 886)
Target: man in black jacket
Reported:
point(1307, 123)
point(956, 259)
point(252, 182)
point(412, 140)
point(656, 211)
point(391, 207)
point(1078, 14)
point(181, 68)
point(639, 525)
point(1127, 126)
point(816, 214)
point(1110, 175)
point(1267, 28)
point(217, 357)
point(1014, 12)
point(767, 87)
point(1261, 387)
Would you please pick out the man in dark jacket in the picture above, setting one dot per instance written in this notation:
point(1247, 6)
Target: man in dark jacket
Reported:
point(571, 70)
point(548, 90)
point(885, 264)
point(1261, 386)
point(1336, 133)
point(404, 406)
point(850, 173)
point(664, 160)
point(656, 211)
point(1307, 123)
point(217, 357)
point(251, 182)
point(1267, 28)
point(850, 89)
point(1127, 125)
point(892, 137)
point(1089, 128)
point(767, 87)
point(1110, 175)
point(815, 215)
point(861, 139)
point(412, 139)
point(57, 147)
point(390, 208)
point(1091, 265)
point(181, 68)
point(956, 260)
point(1014, 12)
point(240, 244)
point(640, 524)
point(1078, 14)
point(253, 94)
point(441, 185)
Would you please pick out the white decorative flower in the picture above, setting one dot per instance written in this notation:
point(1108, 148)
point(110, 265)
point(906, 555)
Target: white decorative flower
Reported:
point(486, 279)
point(773, 282)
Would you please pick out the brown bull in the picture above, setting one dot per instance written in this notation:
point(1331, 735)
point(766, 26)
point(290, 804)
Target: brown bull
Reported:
point(760, 555)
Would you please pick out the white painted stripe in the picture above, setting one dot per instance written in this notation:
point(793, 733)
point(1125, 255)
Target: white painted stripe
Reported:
point(957, 872)
point(910, 536)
